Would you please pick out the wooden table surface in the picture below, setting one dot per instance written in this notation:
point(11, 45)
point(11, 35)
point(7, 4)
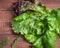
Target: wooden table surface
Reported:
point(5, 19)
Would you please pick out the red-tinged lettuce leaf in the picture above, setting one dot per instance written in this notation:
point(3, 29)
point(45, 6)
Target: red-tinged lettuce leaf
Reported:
point(27, 5)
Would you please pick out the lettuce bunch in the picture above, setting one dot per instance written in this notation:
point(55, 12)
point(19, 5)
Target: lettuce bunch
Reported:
point(37, 24)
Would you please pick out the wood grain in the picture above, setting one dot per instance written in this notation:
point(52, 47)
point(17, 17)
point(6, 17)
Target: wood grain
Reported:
point(6, 16)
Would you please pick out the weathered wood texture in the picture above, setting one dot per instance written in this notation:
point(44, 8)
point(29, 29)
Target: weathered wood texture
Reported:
point(5, 22)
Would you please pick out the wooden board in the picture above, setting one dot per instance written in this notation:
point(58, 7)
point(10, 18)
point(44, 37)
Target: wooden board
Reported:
point(5, 22)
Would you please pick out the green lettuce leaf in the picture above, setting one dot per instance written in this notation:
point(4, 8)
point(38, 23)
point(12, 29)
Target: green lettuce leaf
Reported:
point(28, 23)
point(49, 39)
point(56, 14)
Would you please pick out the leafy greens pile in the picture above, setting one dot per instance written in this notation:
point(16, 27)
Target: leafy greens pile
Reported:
point(38, 25)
